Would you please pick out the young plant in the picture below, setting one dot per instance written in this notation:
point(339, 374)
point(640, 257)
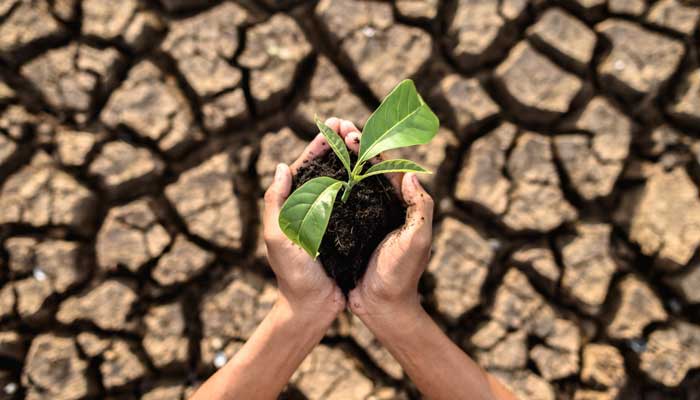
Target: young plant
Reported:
point(403, 119)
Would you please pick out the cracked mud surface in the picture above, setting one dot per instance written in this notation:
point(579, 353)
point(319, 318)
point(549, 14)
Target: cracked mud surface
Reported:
point(137, 139)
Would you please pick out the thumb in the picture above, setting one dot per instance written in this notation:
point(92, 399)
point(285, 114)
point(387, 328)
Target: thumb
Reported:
point(276, 194)
point(418, 228)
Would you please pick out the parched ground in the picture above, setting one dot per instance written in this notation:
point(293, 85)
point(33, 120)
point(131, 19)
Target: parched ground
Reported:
point(137, 137)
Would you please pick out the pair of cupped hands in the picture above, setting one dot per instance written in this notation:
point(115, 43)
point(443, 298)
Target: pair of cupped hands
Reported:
point(390, 285)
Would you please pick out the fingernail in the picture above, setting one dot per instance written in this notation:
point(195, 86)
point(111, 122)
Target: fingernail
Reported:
point(354, 137)
point(279, 172)
point(414, 180)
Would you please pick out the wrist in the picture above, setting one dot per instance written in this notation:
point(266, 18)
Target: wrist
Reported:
point(306, 313)
point(387, 316)
point(402, 325)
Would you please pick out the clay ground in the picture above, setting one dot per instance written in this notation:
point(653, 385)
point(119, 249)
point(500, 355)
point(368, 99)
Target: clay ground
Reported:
point(137, 138)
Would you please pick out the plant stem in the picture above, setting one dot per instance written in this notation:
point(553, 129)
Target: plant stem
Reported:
point(351, 182)
point(356, 170)
point(346, 190)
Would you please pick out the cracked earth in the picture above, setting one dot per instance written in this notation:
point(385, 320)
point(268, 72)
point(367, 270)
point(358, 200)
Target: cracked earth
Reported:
point(137, 138)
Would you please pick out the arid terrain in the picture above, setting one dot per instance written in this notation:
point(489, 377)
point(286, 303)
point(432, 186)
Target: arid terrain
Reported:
point(138, 136)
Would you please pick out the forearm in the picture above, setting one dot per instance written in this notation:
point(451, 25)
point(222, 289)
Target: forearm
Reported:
point(438, 367)
point(264, 365)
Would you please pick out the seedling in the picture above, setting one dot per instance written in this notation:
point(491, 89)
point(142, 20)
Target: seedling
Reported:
point(403, 119)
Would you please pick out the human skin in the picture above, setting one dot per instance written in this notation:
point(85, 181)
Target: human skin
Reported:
point(308, 301)
point(386, 300)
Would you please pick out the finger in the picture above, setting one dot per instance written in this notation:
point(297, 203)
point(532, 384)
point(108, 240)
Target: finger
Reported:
point(419, 215)
point(275, 196)
point(316, 148)
point(347, 127)
point(396, 180)
point(334, 123)
point(352, 140)
point(351, 134)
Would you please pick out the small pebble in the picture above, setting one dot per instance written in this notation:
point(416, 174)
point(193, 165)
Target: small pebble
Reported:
point(637, 345)
point(619, 65)
point(675, 306)
point(368, 31)
point(39, 274)
point(220, 359)
point(445, 205)
point(10, 388)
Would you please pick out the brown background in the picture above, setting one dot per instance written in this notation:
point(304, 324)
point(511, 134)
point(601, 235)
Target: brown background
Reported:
point(137, 138)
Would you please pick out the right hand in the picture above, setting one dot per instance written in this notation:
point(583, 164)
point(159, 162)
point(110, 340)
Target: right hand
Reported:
point(302, 282)
point(390, 284)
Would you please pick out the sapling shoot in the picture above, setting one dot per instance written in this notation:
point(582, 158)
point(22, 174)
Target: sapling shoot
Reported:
point(403, 119)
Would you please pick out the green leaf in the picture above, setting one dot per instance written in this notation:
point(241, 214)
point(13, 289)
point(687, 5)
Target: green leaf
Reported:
point(403, 119)
point(304, 216)
point(390, 166)
point(336, 143)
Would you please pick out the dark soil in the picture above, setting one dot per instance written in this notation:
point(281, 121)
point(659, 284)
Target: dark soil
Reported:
point(357, 226)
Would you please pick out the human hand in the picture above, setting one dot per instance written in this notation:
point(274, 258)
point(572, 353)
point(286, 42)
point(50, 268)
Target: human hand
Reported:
point(386, 299)
point(301, 280)
point(390, 285)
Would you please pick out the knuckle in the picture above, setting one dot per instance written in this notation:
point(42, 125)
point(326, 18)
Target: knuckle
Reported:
point(270, 195)
point(272, 237)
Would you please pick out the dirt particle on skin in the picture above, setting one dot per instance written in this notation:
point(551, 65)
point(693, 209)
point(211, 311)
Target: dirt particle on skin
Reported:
point(357, 226)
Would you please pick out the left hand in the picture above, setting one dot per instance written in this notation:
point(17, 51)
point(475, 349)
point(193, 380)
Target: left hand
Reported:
point(302, 282)
point(389, 287)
